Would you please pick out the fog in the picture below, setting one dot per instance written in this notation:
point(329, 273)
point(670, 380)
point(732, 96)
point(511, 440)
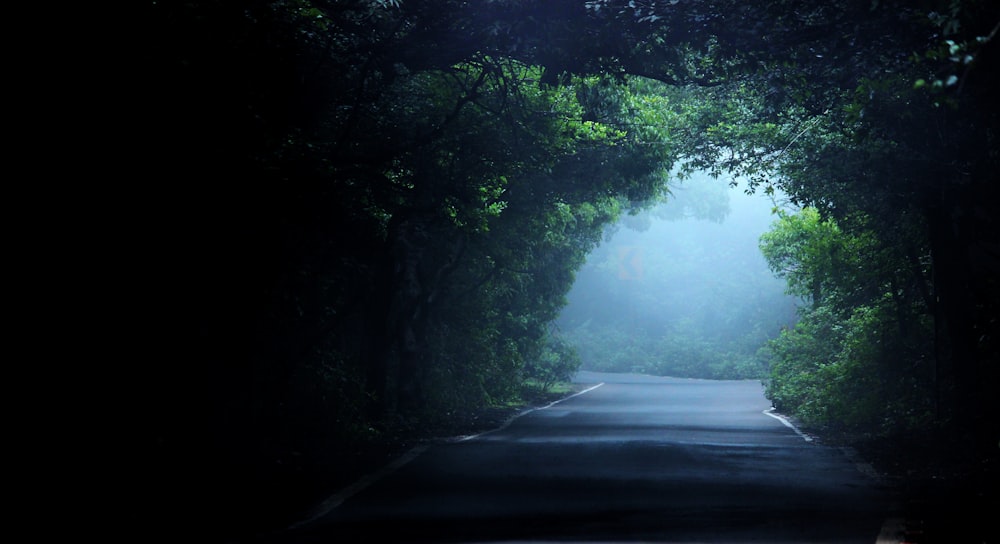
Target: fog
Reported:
point(681, 289)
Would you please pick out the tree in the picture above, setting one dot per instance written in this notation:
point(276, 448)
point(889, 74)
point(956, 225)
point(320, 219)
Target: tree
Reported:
point(848, 123)
point(557, 362)
point(358, 197)
point(372, 237)
point(859, 359)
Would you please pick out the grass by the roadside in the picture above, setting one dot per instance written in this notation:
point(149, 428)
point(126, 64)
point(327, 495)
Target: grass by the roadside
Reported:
point(537, 394)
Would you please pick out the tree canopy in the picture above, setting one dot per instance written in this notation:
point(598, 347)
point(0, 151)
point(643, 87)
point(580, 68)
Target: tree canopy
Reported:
point(368, 212)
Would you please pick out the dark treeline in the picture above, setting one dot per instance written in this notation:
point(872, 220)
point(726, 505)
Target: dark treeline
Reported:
point(359, 216)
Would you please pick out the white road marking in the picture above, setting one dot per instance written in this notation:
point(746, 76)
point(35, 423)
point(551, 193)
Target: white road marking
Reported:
point(770, 412)
point(892, 527)
point(335, 500)
point(525, 412)
point(338, 498)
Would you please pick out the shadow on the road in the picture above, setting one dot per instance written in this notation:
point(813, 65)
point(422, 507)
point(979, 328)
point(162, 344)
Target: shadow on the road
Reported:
point(609, 526)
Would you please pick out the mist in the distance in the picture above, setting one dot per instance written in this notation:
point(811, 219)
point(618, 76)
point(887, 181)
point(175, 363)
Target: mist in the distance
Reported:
point(682, 289)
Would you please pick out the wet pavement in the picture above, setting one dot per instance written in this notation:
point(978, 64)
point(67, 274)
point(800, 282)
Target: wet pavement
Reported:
point(635, 459)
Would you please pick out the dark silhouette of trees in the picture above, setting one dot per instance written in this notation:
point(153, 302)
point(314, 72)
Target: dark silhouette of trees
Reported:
point(356, 214)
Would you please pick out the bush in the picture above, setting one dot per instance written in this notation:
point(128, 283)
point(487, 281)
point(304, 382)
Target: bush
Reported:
point(853, 374)
point(558, 361)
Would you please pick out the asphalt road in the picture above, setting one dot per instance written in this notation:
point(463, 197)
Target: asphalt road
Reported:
point(635, 459)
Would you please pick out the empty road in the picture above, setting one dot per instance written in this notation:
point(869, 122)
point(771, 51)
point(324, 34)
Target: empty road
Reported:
point(637, 458)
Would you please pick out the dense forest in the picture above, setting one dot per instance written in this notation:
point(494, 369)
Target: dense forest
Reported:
point(358, 217)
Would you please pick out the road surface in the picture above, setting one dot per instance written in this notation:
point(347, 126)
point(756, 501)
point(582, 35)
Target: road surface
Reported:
point(637, 458)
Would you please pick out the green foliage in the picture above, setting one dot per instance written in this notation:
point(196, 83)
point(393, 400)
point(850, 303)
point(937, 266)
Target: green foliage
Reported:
point(797, 355)
point(851, 363)
point(374, 209)
point(952, 60)
point(817, 260)
point(682, 351)
point(557, 362)
point(522, 183)
point(880, 159)
point(838, 373)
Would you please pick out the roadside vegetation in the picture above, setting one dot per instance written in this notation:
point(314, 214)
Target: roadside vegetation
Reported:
point(368, 215)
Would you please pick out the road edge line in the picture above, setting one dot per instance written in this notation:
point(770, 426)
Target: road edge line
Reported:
point(523, 413)
point(333, 501)
point(789, 424)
